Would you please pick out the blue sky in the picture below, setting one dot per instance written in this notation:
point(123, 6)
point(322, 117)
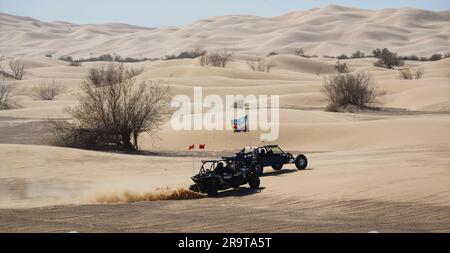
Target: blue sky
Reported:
point(182, 12)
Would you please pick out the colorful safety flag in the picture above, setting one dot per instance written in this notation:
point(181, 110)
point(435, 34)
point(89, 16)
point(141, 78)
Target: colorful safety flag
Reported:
point(240, 125)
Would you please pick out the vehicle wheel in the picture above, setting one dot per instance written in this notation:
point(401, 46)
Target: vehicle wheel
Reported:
point(211, 191)
point(301, 162)
point(195, 188)
point(259, 170)
point(277, 167)
point(254, 182)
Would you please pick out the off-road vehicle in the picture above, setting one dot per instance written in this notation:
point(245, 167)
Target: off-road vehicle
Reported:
point(269, 155)
point(215, 175)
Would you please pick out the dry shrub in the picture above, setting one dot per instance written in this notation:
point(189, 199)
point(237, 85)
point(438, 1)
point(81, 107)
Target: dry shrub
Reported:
point(414, 73)
point(405, 74)
point(75, 64)
point(192, 54)
point(48, 91)
point(435, 57)
point(218, 59)
point(260, 65)
point(111, 73)
point(357, 54)
point(158, 194)
point(133, 72)
point(354, 91)
point(418, 72)
point(299, 52)
point(341, 67)
point(387, 59)
point(342, 57)
point(5, 95)
point(17, 69)
point(115, 112)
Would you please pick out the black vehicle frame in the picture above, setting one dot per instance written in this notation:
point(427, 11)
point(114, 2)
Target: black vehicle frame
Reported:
point(269, 155)
point(215, 175)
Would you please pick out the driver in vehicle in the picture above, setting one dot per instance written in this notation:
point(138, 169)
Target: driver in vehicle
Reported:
point(263, 152)
point(219, 168)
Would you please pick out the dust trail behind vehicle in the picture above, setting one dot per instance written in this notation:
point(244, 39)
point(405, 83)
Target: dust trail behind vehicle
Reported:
point(159, 194)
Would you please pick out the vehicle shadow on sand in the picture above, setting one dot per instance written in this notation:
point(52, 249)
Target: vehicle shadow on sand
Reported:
point(239, 192)
point(281, 172)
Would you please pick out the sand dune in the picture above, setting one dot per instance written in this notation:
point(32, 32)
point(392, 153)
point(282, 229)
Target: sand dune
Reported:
point(328, 31)
point(372, 166)
point(388, 190)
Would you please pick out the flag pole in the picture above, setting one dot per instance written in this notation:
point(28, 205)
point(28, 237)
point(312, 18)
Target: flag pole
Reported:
point(249, 139)
point(193, 161)
point(248, 130)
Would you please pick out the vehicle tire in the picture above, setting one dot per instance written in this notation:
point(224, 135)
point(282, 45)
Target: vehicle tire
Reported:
point(259, 169)
point(211, 191)
point(277, 167)
point(211, 188)
point(301, 162)
point(254, 182)
point(195, 188)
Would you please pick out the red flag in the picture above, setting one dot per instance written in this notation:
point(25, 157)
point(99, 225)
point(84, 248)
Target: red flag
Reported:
point(191, 146)
point(202, 146)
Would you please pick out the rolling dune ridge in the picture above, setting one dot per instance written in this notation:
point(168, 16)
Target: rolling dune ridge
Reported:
point(327, 31)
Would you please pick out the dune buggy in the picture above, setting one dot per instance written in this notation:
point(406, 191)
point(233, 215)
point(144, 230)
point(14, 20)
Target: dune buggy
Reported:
point(269, 155)
point(223, 174)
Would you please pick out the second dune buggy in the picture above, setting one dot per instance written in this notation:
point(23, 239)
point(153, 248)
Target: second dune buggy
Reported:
point(269, 155)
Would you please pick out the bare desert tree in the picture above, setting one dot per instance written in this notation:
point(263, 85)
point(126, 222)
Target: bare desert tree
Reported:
point(115, 112)
point(48, 91)
point(5, 94)
point(260, 65)
point(349, 90)
point(17, 69)
point(218, 59)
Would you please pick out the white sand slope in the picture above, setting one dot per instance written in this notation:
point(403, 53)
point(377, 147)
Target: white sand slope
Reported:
point(328, 31)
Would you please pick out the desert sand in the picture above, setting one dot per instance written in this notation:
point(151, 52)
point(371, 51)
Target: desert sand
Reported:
point(386, 170)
